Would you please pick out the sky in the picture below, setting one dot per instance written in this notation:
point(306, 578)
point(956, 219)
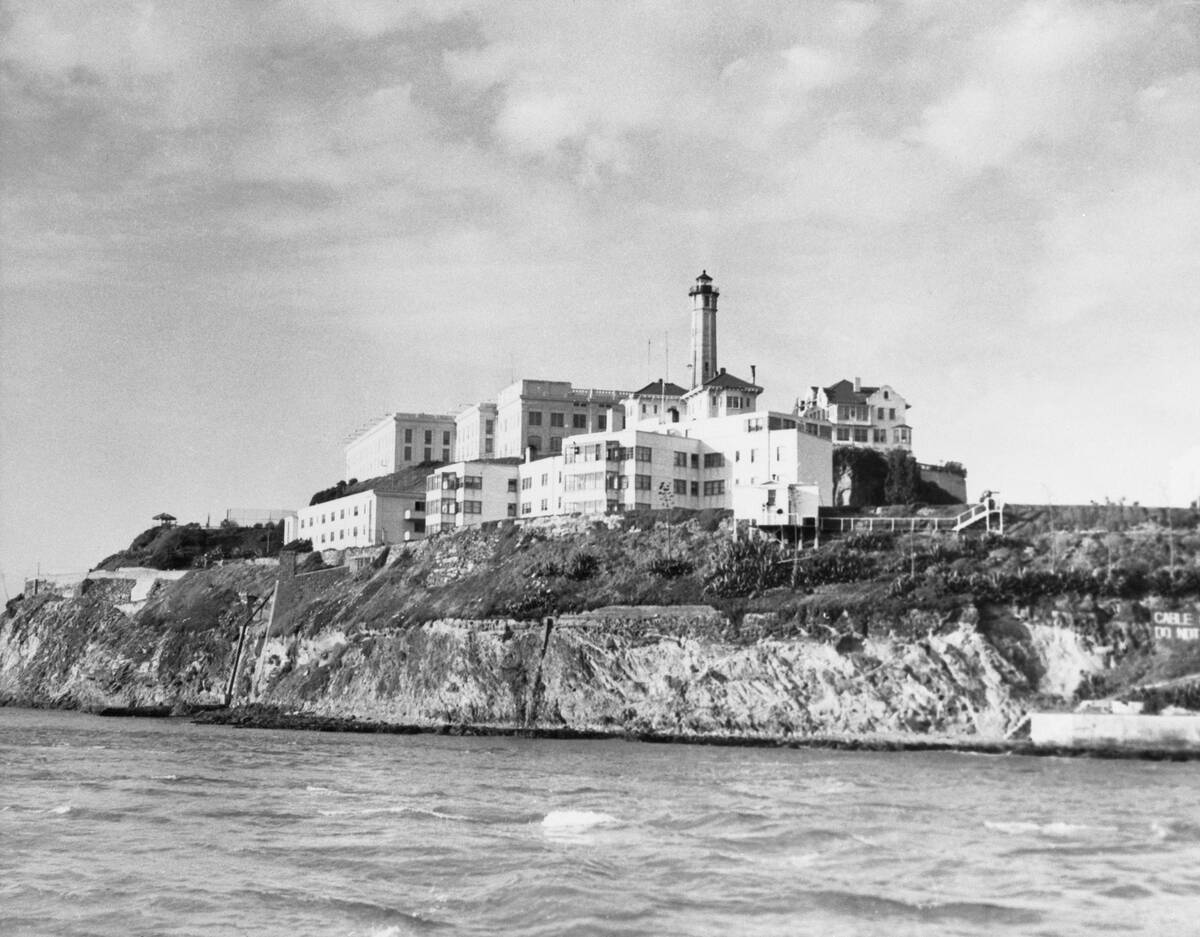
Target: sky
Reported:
point(233, 232)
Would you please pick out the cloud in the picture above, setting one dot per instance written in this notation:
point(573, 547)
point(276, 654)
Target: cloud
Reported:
point(1185, 478)
point(1044, 76)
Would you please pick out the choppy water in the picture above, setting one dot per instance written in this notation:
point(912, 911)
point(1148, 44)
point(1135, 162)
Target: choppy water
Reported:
point(139, 827)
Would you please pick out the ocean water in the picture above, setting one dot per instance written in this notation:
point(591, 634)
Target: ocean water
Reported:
point(147, 827)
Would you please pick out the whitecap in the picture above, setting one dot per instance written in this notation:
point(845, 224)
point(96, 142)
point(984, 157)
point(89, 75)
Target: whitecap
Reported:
point(164, 777)
point(1054, 829)
point(575, 819)
point(60, 809)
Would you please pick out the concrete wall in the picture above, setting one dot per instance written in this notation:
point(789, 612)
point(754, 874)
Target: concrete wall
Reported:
point(1115, 730)
point(953, 483)
point(399, 441)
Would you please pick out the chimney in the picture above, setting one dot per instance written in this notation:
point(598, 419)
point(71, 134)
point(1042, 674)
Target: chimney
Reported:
point(753, 374)
point(858, 385)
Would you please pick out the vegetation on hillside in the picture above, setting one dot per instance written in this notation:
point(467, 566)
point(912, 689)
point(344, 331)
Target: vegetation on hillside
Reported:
point(191, 545)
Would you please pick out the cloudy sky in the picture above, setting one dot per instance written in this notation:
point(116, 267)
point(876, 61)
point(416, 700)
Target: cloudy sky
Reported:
point(231, 232)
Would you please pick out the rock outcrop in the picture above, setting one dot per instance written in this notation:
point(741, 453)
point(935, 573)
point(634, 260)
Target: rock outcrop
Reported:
point(684, 670)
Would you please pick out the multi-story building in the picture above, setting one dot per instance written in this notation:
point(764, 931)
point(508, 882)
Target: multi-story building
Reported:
point(398, 441)
point(861, 416)
point(467, 494)
point(384, 510)
point(476, 433)
point(538, 415)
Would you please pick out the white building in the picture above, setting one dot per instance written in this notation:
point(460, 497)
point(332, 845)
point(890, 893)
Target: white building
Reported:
point(475, 429)
point(385, 510)
point(398, 441)
point(861, 416)
point(538, 415)
point(467, 494)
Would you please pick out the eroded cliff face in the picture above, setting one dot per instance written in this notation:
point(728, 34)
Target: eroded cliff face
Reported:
point(684, 670)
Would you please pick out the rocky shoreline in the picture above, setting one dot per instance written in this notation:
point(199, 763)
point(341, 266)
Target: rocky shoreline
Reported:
point(262, 717)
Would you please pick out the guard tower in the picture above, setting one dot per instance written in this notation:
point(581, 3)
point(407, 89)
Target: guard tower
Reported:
point(704, 329)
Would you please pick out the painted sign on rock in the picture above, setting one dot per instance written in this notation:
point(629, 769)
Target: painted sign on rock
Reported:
point(1181, 626)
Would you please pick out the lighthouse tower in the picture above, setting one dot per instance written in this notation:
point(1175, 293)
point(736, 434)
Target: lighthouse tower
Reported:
point(704, 329)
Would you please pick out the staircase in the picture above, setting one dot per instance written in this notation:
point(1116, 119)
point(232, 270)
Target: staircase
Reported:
point(985, 511)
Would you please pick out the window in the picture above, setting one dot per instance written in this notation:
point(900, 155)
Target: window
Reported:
point(322, 538)
point(558, 419)
point(472, 507)
point(408, 453)
point(527, 483)
point(754, 424)
point(445, 455)
point(753, 454)
point(512, 484)
point(322, 518)
point(472, 481)
point(445, 437)
point(885, 395)
point(681, 486)
point(354, 531)
point(579, 421)
point(771, 497)
point(535, 417)
point(545, 504)
point(843, 434)
point(881, 435)
point(641, 482)
point(512, 510)
point(695, 489)
point(602, 422)
point(681, 459)
point(488, 427)
point(860, 434)
point(644, 453)
point(535, 442)
point(429, 437)
point(695, 460)
point(545, 478)
point(526, 507)
point(449, 506)
point(714, 488)
point(419, 506)
point(714, 459)
point(879, 413)
point(428, 454)
point(408, 435)
point(891, 412)
point(556, 444)
point(356, 510)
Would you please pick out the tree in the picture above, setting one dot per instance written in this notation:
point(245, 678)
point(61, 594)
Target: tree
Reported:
point(863, 471)
point(903, 479)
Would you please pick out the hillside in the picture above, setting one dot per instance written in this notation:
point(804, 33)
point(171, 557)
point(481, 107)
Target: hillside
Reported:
point(191, 545)
point(635, 625)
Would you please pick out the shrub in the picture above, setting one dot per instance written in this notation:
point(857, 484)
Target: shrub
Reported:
point(747, 567)
point(298, 546)
point(671, 567)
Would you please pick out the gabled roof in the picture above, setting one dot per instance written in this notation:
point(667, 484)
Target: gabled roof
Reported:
point(725, 380)
point(843, 392)
point(660, 388)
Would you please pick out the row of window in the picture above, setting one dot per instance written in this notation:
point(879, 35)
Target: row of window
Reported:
point(864, 434)
point(428, 457)
point(578, 420)
point(408, 436)
point(608, 451)
point(450, 506)
point(851, 411)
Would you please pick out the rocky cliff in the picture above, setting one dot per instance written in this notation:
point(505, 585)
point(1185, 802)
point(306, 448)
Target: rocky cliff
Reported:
point(394, 641)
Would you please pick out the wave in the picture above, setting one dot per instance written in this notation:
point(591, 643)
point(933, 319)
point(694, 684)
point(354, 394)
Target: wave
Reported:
point(575, 819)
point(164, 777)
point(1055, 828)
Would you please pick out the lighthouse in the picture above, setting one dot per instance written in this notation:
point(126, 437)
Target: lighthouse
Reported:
point(704, 329)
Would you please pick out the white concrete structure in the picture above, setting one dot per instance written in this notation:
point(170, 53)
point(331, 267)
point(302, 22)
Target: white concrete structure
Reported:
point(398, 441)
point(1118, 730)
point(538, 415)
point(861, 416)
point(361, 519)
point(467, 494)
point(704, 329)
point(475, 429)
